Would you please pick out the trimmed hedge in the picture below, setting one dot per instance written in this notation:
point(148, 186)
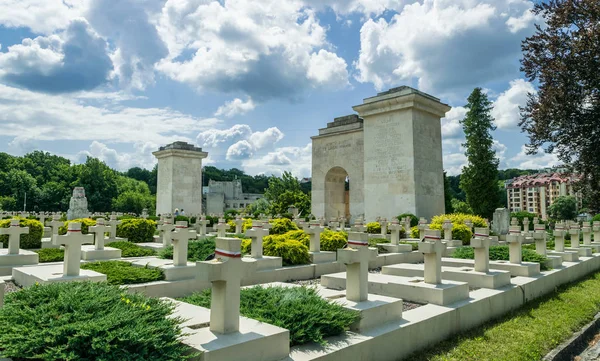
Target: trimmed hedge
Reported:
point(85, 224)
point(51, 255)
point(137, 230)
point(124, 273)
point(291, 251)
point(332, 241)
point(197, 250)
point(81, 321)
point(459, 218)
point(459, 231)
point(374, 228)
point(282, 226)
point(307, 316)
point(501, 253)
point(32, 240)
point(129, 249)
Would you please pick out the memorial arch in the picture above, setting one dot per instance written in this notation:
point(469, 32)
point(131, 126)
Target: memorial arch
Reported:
point(391, 151)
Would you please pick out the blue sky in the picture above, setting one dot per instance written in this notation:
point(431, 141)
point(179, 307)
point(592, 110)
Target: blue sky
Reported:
point(248, 80)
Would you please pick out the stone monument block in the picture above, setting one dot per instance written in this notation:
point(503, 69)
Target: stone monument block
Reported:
point(501, 221)
point(78, 206)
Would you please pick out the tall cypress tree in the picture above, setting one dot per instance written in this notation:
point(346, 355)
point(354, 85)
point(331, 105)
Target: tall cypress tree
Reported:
point(479, 179)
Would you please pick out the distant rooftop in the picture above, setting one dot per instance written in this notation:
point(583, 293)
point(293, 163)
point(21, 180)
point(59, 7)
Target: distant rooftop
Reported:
point(182, 146)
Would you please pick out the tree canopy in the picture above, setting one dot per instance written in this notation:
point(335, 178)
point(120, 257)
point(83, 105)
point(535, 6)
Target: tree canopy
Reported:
point(563, 117)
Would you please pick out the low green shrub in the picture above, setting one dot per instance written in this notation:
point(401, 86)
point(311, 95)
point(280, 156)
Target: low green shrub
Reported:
point(459, 231)
point(197, 250)
point(137, 230)
point(414, 232)
point(291, 251)
point(182, 219)
point(282, 226)
point(596, 218)
point(374, 228)
point(459, 218)
point(501, 253)
point(246, 246)
point(85, 224)
point(51, 255)
point(245, 226)
point(124, 273)
point(332, 241)
point(307, 316)
point(31, 240)
point(125, 216)
point(414, 220)
point(129, 249)
point(88, 321)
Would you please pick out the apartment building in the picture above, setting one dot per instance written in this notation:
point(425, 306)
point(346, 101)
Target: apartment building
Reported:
point(535, 193)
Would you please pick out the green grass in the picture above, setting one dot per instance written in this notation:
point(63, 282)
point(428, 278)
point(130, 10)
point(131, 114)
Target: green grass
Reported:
point(129, 249)
point(307, 316)
point(197, 250)
point(123, 273)
point(501, 253)
point(528, 333)
point(51, 255)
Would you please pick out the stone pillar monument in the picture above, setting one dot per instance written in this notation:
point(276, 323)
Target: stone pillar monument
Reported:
point(78, 206)
point(501, 221)
point(179, 178)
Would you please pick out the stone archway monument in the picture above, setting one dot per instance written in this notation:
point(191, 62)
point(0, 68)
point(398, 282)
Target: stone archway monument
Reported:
point(179, 183)
point(391, 152)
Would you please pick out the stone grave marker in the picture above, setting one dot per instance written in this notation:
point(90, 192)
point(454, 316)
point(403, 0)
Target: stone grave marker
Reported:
point(356, 258)
point(112, 231)
point(72, 241)
point(432, 249)
point(481, 245)
point(222, 228)
point(180, 238)
point(239, 222)
point(14, 232)
point(256, 234)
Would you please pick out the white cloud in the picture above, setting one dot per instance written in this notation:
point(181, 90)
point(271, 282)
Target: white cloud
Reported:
point(446, 45)
point(267, 137)
point(240, 150)
point(536, 161)
point(296, 160)
point(506, 107)
point(235, 107)
point(454, 162)
point(41, 16)
point(122, 161)
point(451, 127)
point(234, 46)
point(367, 7)
point(213, 138)
point(37, 116)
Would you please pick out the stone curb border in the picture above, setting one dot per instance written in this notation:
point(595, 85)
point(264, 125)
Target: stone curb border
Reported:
point(567, 350)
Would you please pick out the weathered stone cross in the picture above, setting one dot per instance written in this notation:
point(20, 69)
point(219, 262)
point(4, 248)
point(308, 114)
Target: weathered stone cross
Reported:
point(181, 238)
point(166, 228)
point(356, 257)
point(256, 233)
point(113, 223)
point(481, 245)
point(14, 232)
point(447, 227)
point(432, 248)
point(221, 228)
point(395, 227)
point(98, 231)
point(55, 225)
point(314, 230)
point(239, 222)
point(73, 241)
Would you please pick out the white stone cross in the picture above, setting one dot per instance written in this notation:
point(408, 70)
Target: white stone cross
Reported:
point(384, 227)
point(514, 221)
point(225, 272)
point(55, 224)
point(574, 232)
point(587, 235)
point(14, 232)
point(315, 229)
point(166, 228)
point(202, 226)
point(515, 253)
point(447, 227)
point(422, 226)
point(98, 231)
point(539, 236)
point(239, 222)
point(407, 227)
point(596, 229)
point(526, 225)
point(343, 223)
point(42, 216)
point(180, 238)
point(559, 237)
point(113, 223)
point(73, 241)
point(356, 258)
point(432, 248)
point(395, 229)
point(469, 224)
point(222, 228)
point(481, 245)
point(256, 234)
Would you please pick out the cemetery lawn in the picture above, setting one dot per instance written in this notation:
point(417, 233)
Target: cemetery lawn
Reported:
point(307, 316)
point(528, 333)
point(51, 255)
point(129, 249)
point(501, 253)
point(123, 273)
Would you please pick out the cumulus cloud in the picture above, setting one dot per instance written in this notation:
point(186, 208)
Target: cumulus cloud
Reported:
point(37, 116)
point(235, 107)
point(506, 107)
point(296, 160)
point(454, 162)
point(121, 160)
point(75, 60)
point(232, 46)
point(41, 16)
point(138, 45)
point(446, 45)
point(451, 127)
point(535, 161)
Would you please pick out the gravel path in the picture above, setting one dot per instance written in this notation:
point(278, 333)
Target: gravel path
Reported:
point(10, 286)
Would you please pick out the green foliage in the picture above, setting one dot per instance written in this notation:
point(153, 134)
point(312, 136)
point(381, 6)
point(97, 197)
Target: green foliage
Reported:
point(461, 207)
point(250, 184)
point(134, 202)
point(259, 206)
point(124, 273)
point(332, 241)
point(51, 255)
point(479, 177)
point(182, 219)
point(245, 226)
point(414, 232)
point(563, 208)
point(522, 215)
point(596, 218)
point(129, 249)
point(501, 253)
point(197, 250)
point(307, 316)
point(86, 223)
point(7, 203)
point(28, 241)
point(374, 228)
point(414, 220)
point(137, 230)
point(246, 245)
point(459, 231)
point(460, 218)
point(284, 192)
point(291, 251)
point(282, 225)
point(88, 321)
